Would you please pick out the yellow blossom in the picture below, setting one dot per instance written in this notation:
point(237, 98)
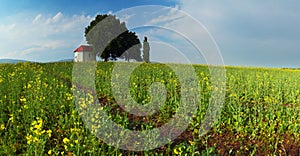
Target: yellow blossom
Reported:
point(69, 96)
point(233, 95)
point(49, 132)
point(23, 99)
point(177, 151)
point(66, 147)
point(75, 130)
point(35, 139)
point(34, 123)
point(66, 140)
point(38, 127)
point(29, 139)
point(11, 74)
point(2, 126)
point(42, 99)
point(39, 120)
point(29, 85)
point(191, 142)
point(11, 117)
point(49, 152)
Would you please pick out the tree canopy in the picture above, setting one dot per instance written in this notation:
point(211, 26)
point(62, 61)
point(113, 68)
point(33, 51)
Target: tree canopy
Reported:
point(111, 39)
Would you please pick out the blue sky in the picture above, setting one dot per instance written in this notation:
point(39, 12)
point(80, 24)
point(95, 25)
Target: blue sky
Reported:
point(248, 33)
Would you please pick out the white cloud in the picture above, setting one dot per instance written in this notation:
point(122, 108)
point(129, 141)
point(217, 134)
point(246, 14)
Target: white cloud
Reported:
point(126, 17)
point(241, 27)
point(110, 12)
point(29, 51)
point(11, 54)
point(173, 27)
point(57, 17)
point(42, 38)
point(180, 30)
point(37, 18)
point(171, 16)
point(11, 27)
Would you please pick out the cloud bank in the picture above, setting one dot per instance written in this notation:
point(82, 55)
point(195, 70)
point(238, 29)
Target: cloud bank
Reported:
point(254, 33)
point(42, 37)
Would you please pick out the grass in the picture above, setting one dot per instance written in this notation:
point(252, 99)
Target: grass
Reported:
point(39, 115)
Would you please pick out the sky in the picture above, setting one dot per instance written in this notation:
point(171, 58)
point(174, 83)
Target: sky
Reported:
point(240, 33)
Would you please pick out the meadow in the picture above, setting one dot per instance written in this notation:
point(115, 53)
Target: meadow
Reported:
point(40, 115)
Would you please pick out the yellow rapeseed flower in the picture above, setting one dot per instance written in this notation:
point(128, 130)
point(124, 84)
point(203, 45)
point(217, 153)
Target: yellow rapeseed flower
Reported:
point(233, 95)
point(177, 151)
point(29, 139)
point(69, 96)
point(35, 139)
point(25, 107)
point(75, 130)
point(33, 123)
point(66, 140)
point(191, 142)
point(2, 126)
point(66, 147)
point(11, 74)
point(42, 98)
point(38, 127)
point(29, 85)
point(49, 132)
point(100, 108)
point(40, 121)
point(50, 152)
point(11, 117)
point(23, 99)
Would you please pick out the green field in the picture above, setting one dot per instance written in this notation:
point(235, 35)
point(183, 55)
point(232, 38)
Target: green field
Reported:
point(260, 115)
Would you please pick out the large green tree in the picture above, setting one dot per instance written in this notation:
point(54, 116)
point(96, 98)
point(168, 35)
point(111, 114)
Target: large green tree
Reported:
point(111, 39)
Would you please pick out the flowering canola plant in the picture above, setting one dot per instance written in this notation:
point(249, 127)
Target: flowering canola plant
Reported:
point(39, 116)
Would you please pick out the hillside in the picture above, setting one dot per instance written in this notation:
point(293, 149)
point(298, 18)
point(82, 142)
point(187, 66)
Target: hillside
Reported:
point(49, 108)
point(12, 61)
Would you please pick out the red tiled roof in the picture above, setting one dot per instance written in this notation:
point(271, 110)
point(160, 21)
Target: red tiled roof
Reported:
point(83, 48)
